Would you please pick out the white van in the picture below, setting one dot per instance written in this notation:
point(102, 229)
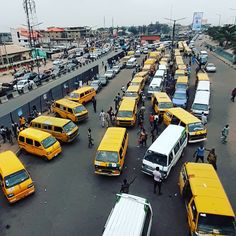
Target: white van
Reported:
point(203, 86)
point(131, 215)
point(160, 74)
point(201, 103)
point(165, 151)
point(163, 67)
point(131, 63)
point(156, 85)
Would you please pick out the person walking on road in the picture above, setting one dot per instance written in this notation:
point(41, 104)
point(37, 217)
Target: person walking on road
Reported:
point(157, 180)
point(3, 133)
point(199, 153)
point(151, 120)
point(94, 101)
point(116, 103)
point(102, 118)
point(204, 119)
point(90, 139)
point(22, 121)
point(225, 133)
point(233, 94)
point(153, 136)
point(211, 158)
point(125, 186)
point(9, 135)
point(14, 127)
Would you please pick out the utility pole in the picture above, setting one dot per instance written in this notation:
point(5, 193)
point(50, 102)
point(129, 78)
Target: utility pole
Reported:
point(219, 18)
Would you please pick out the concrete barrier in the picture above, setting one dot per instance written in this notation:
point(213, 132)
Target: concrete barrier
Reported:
point(25, 90)
point(3, 99)
point(34, 86)
point(15, 94)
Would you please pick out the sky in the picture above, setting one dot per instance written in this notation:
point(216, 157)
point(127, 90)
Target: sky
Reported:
point(124, 12)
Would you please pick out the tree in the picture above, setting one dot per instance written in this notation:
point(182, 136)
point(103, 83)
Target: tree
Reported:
point(133, 30)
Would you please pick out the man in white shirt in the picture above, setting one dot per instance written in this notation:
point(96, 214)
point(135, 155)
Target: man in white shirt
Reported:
point(157, 180)
point(204, 119)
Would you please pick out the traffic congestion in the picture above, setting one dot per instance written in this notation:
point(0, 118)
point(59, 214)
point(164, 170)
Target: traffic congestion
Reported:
point(158, 110)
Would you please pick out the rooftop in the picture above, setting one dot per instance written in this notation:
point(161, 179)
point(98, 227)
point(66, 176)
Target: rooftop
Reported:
point(12, 49)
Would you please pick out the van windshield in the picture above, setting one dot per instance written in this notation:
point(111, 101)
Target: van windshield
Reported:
point(165, 105)
point(156, 158)
point(74, 95)
point(107, 156)
point(127, 114)
point(181, 86)
point(48, 142)
point(16, 178)
point(216, 224)
point(79, 109)
point(131, 94)
point(135, 83)
point(195, 127)
point(198, 106)
point(154, 88)
point(69, 127)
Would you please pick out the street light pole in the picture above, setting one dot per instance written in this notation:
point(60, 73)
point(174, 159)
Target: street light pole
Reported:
point(219, 18)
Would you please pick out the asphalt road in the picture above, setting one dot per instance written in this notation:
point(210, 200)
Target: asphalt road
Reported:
point(71, 200)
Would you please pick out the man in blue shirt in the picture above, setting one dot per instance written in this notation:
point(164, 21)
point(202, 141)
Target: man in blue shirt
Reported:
point(199, 153)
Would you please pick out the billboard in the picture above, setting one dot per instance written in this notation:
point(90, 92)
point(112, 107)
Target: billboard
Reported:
point(197, 21)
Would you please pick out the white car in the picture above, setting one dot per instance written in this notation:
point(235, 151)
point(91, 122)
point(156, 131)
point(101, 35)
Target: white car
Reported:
point(145, 50)
point(21, 84)
point(137, 53)
point(57, 62)
point(210, 67)
point(116, 68)
point(110, 74)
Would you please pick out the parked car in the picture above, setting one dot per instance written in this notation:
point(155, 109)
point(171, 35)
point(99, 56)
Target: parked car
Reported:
point(5, 88)
point(210, 67)
point(30, 76)
point(116, 68)
point(19, 73)
point(110, 74)
point(180, 98)
point(42, 77)
point(70, 66)
point(57, 62)
point(23, 84)
point(74, 61)
point(103, 79)
point(97, 85)
point(145, 50)
point(137, 53)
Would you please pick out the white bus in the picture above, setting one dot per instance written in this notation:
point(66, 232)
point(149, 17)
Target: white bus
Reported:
point(201, 103)
point(131, 215)
point(156, 85)
point(131, 63)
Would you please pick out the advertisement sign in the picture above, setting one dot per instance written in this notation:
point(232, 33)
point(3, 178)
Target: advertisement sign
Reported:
point(197, 21)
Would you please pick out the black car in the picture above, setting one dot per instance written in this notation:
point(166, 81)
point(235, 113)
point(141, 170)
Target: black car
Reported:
point(30, 75)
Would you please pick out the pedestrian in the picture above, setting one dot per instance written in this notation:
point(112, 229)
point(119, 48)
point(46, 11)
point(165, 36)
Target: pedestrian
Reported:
point(90, 139)
point(94, 101)
point(143, 97)
point(211, 158)
point(133, 73)
point(199, 153)
point(105, 68)
point(119, 98)
point(233, 94)
point(48, 105)
point(35, 112)
point(116, 103)
point(107, 119)
point(151, 120)
point(22, 121)
point(110, 111)
point(157, 180)
point(123, 89)
point(144, 137)
point(125, 186)
point(102, 118)
point(155, 123)
point(14, 127)
point(153, 136)
point(128, 84)
point(9, 135)
point(224, 134)
point(113, 118)
point(3, 133)
point(204, 119)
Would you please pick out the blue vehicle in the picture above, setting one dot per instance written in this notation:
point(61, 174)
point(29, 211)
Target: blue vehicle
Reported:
point(180, 98)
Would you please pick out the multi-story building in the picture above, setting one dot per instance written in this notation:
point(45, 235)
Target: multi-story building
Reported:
point(5, 38)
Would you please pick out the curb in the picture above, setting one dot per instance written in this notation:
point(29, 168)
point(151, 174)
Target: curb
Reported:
point(226, 62)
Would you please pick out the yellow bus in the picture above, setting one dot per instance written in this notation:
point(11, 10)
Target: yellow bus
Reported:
point(124, 60)
point(82, 95)
point(179, 73)
point(209, 211)
point(182, 83)
point(154, 55)
point(62, 129)
point(39, 143)
point(15, 180)
point(110, 155)
point(150, 61)
point(127, 112)
point(133, 92)
point(138, 81)
point(67, 109)
point(201, 76)
point(194, 127)
point(161, 102)
point(143, 74)
point(130, 53)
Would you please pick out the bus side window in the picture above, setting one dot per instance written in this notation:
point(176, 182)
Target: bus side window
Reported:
point(70, 110)
point(194, 211)
point(121, 152)
point(175, 120)
point(21, 139)
point(37, 144)
point(182, 124)
point(147, 221)
point(58, 129)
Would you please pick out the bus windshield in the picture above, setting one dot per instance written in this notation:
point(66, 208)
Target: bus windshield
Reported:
point(126, 114)
point(195, 127)
point(105, 156)
point(16, 178)
point(156, 158)
point(216, 224)
point(69, 127)
point(48, 142)
point(165, 105)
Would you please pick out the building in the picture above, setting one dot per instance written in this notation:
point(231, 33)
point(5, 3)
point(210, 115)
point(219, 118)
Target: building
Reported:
point(13, 53)
point(5, 38)
point(150, 38)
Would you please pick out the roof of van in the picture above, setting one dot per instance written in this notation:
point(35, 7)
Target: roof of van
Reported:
point(162, 67)
point(68, 103)
point(150, 61)
point(208, 190)
point(180, 72)
point(167, 140)
point(82, 89)
point(163, 96)
point(133, 88)
point(182, 79)
point(137, 79)
point(112, 139)
point(34, 134)
point(159, 73)
point(127, 104)
point(49, 120)
point(132, 59)
point(202, 76)
point(185, 115)
point(9, 163)
point(156, 82)
point(202, 97)
point(203, 85)
point(146, 67)
point(142, 73)
point(127, 217)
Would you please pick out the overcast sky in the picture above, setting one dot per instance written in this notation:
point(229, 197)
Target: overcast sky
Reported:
point(124, 12)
